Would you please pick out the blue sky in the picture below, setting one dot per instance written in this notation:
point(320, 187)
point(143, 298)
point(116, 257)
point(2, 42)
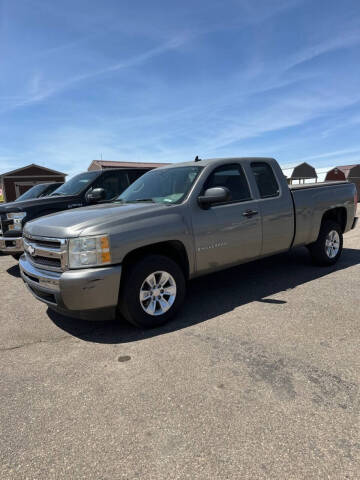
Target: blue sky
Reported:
point(165, 81)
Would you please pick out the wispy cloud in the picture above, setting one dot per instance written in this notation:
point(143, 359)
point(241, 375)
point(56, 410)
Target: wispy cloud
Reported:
point(38, 93)
point(342, 40)
point(282, 113)
point(256, 11)
point(336, 153)
point(42, 88)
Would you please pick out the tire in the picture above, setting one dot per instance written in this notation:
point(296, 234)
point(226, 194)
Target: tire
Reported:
point(149, 269)
point(327, 249)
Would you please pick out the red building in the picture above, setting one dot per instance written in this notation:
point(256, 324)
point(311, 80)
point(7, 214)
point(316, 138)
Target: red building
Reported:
point(351, 173)
point(15, 183)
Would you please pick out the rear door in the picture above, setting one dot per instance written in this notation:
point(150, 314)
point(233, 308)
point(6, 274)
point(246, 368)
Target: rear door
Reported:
point(227, 233)
point(275, 205)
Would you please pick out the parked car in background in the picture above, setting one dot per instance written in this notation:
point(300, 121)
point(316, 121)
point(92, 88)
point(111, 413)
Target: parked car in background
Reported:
point(88, 188)
point(38, 191)
point(133, 257)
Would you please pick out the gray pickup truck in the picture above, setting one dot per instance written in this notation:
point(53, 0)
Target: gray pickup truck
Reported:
point(133, 257)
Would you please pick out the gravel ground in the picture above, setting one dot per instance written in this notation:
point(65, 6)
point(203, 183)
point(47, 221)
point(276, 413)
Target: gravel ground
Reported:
point(257, 378)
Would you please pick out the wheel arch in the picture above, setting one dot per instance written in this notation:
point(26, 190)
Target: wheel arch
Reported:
point(338, 215)
point(173, 249)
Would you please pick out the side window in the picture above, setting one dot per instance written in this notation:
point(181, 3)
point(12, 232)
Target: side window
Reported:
point(123, 181)
point(135, 174)
point(265, 179)
point(233, 178)
point(50, 189)
point(113, 183)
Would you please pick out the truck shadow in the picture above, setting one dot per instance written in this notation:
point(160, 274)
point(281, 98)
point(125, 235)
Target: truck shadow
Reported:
point(218, 293)
point(14, 271)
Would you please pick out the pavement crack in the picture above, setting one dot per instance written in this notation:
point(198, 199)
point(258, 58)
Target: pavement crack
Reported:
point(29, 344)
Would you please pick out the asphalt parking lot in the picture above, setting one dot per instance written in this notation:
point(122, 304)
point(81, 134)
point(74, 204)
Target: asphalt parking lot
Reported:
point(258, 377)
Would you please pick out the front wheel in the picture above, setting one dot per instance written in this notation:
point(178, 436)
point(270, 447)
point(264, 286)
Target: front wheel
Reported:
point(328, 247)
point(153, 291)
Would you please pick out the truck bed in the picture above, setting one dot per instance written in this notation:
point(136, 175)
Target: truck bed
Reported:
point(311, 200)
point(303, 186)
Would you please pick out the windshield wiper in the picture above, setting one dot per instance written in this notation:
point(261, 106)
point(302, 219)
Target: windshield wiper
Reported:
point(142, 200)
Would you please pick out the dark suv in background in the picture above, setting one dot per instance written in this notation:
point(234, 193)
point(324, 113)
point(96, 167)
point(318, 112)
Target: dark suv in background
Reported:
point(88, 188)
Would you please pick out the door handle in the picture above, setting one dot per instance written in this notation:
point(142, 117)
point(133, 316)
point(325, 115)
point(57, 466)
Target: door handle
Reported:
point(250, 213)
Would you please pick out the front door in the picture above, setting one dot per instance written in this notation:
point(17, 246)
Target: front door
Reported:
point(227, 233)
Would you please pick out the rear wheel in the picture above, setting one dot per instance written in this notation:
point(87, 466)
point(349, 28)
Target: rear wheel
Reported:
point(153, 291)
point(328, 247)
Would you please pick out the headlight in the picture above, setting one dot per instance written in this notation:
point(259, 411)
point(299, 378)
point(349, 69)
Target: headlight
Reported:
point(17, 218)
point(89, 251)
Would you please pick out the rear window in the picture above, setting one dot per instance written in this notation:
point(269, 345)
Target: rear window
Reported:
point(265, 180)
point(135, 174)
point(233, 178)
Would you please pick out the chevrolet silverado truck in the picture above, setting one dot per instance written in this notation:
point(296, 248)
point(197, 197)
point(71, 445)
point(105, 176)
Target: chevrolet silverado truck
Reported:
point(132, 258)
point(87, 188)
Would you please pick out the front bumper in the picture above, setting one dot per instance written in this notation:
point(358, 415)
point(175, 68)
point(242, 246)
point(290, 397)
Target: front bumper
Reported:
point(355, 222)
point(90, 294)
point(11, 245)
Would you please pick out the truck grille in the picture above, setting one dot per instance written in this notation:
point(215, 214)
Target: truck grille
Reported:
point(48, 262)
point(47, 253)
point(3, 224)
point(48, 243)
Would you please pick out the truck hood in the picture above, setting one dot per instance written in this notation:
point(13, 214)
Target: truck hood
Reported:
point(94, 220)
point(27, 205)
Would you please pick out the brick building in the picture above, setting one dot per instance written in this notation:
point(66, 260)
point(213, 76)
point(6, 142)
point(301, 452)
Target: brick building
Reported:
point(15, 183)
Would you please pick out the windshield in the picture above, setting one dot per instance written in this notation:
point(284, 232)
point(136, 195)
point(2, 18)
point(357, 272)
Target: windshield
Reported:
point(33, 192)
point(165, 185)
point(50, 189)
point(76, 184)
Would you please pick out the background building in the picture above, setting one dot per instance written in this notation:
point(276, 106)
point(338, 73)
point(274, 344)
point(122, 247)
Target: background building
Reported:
point(15, 183)
point(351, 173)
point(104, 164)
point(302, 173)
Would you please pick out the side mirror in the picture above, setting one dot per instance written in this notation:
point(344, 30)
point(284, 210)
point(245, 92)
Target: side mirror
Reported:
point(214, 195)
point(95, 195)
